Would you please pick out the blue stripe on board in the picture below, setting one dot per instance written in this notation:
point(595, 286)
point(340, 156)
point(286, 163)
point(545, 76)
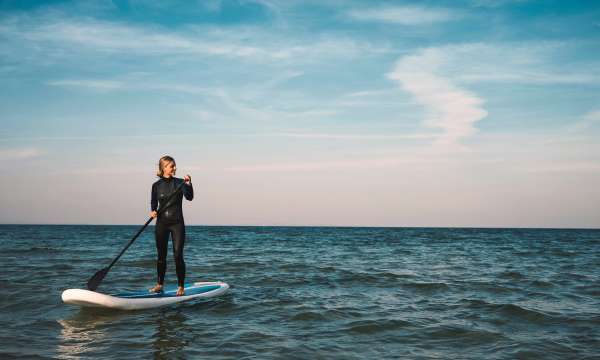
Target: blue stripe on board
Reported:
point(170, 292)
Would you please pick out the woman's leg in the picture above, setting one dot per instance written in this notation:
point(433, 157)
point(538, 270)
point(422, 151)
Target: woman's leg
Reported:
point(161, 234)
point(178, 231)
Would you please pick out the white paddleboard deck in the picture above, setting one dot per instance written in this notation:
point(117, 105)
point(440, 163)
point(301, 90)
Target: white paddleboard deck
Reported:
point(143, 299)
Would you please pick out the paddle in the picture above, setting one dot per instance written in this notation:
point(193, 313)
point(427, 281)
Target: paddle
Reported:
point(95, 280)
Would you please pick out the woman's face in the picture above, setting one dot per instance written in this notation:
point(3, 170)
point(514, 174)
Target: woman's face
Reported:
point(169, 169)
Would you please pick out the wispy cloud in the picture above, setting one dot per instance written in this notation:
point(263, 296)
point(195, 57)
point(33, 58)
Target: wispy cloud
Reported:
point(311, 166)
point(403, 15)
point(20, 153)
point(496, 3)
point(101, 85)
point(120, 170)
point(106, 36)
point(449, 107)
point(587, 121)
point(415, 158)
point(527, 62)
point(438, 77)
point(129, 84)
point(293, 135)
point(342, 136)
point(559, 167)
point(65, 35)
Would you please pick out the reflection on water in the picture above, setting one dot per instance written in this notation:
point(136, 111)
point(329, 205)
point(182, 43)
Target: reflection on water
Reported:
point(94, 331)
point(84, 331)
point(171, 335)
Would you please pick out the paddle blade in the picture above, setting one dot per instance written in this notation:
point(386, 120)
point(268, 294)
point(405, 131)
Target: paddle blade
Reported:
point(95, 280)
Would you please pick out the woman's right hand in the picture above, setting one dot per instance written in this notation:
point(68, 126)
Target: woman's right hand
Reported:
point(153, 214)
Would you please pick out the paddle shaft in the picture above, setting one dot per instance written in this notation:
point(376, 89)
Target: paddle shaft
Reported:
point(130, 242)
point(98, 276)
point(145, 225)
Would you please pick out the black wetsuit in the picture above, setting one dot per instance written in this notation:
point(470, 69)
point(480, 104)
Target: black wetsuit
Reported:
point(170, 221)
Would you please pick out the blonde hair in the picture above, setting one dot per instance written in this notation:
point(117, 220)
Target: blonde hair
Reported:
point(162, 163)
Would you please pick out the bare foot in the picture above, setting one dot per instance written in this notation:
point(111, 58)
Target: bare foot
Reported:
point(158, 288)
point(180, 291)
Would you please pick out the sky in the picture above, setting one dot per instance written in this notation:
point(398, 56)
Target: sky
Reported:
point(466, 113)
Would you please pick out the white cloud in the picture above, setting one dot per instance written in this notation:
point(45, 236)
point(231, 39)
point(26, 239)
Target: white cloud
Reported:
point(449, 107)
point(310, 166)
point(341, 136)
point(112, 37)
point(587, 120)
point(211, 5)
point(519, 62)
point(496, 3)
point(20, 153)
point(437, 78)
point(206, 115)
point(592, 117)
point(572, 167)
point(129, 84)
point(403, 15)
point(64, 36)
point(101, 85)
point(416, 159)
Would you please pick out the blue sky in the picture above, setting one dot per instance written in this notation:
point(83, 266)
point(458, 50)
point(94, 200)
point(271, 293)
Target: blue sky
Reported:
point(359, 113)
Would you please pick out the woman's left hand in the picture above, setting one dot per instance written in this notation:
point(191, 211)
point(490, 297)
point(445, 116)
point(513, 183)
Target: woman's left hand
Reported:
point(187, 179)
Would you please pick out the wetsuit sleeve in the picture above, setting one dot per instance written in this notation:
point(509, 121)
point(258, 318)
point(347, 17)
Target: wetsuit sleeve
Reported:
point(188, 191)
point(154, 199)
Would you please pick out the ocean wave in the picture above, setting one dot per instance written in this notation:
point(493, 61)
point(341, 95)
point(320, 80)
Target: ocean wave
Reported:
point(375, 277)
point(309, 316)
point(426, 287)
point(487, 286)
point(511, 275)
point(142, 263)
point(463, 334)
point(367, 327)
point(592, 289)
point(541, 284)
point(507, 311)
point(34, 250)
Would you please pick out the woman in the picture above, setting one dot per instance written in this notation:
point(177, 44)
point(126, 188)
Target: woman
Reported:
point(170, 220)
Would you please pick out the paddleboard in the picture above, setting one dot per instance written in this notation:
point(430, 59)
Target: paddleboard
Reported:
point(143, 299)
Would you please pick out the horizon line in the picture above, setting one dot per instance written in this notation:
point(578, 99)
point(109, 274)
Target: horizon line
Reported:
point(329, 226)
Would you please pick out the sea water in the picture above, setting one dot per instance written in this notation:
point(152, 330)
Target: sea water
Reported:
point(309, 293)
